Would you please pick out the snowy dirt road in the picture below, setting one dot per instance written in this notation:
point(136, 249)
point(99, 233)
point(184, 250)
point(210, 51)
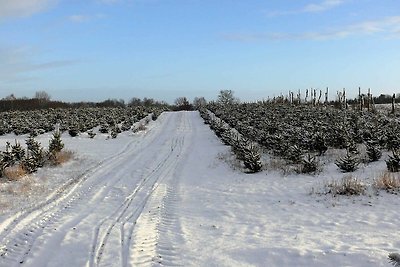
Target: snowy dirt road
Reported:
point(114, 215)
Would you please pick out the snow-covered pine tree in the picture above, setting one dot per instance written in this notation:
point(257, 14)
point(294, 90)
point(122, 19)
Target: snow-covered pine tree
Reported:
point(373, 151)
point(56, 144)
point(309, 164)
point(348, 163)
point(73, 131)
point(114, 132)
point(35, 152)
point(227, 137)
point(351, 146)
point(319, 144)
point(393, 163)
point(252, 158)
point(6, 158)
point(91, 134)
point(103, 128)
point(29, 164)
point(392, 138)
point(294, 154)
point(126, 126)
point(17, 152)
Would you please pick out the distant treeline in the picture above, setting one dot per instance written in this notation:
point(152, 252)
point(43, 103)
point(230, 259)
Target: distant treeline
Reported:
point(382, 99)
point(23, 104)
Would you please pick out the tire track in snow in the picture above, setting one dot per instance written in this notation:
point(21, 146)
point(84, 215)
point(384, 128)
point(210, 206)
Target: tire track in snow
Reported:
point(19, 235)
point(128, 212)
point(157, 232)
point(128, 218)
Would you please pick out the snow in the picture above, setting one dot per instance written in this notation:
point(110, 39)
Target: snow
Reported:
point(169, 196)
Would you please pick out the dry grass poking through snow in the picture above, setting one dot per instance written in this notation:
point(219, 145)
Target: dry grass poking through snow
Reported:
point(230, 159)
point(14, 173)
point(387, 181)
point(348, 185)
point(139, 128)
point(22, 186)
point(62, 157)
point(277, 164)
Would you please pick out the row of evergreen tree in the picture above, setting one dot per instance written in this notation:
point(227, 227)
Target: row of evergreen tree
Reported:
point(245, 150)
point(33, 157)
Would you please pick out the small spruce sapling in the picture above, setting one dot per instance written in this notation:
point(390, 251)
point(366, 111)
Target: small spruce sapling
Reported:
point(309, 164)
point(56, 144)
point(114, 132)
point(73, 131)
point(6, 159)
point(351, 146)
point(252, 159)
point(35, 152)
point(103, 128)
point(91, 134)
point(393, 163)
point(319, 144)
point(348, 163)
point(18, 153)
point(294, 154)
point(373, 151)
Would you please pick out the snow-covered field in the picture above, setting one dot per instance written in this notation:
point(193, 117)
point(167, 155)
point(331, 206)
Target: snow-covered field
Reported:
point(170, 196)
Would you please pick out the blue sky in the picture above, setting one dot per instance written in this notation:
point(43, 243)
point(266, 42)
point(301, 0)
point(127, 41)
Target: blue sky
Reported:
point(92, 50)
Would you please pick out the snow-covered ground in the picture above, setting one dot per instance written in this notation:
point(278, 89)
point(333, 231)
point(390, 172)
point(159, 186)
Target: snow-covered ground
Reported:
point(171, 196)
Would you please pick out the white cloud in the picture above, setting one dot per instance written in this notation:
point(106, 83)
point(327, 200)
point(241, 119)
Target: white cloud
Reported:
point(23, 8)
point(17, 63)
point(109, 1)
point(79, 18)
point(322, 6)
point(310, 8)
point(389, 27)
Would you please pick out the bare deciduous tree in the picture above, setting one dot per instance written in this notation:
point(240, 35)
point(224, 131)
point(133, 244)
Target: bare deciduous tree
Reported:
point(199, 102)
point(182, 103)
point(42, 95)
point(226, 97)
point(135, 101)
